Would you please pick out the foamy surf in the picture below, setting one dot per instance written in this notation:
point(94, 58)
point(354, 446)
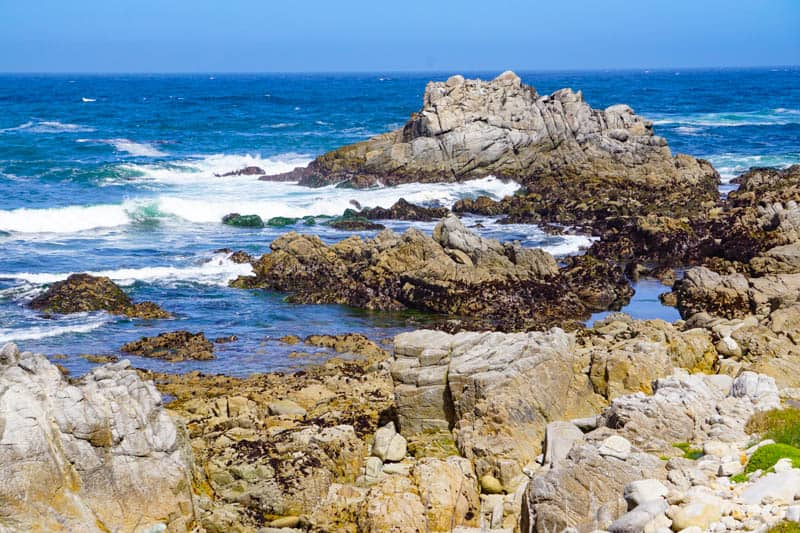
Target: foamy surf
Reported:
point(219, 270)
point(772, 117)
point(731, 165)
point(77, 323)
point(48, 126)
point(138, 149)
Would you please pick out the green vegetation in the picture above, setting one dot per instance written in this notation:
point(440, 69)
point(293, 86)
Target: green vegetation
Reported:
point(780, 425)
point(785, 527)
point(765, 457)
point(688, 451)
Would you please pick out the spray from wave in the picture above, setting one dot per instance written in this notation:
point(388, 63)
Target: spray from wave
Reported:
point(48, 126)
point(219, 270)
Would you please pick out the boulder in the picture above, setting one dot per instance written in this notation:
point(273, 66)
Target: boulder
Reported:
point(81, 293)
point(89, 455)
point(243, 221)
point(403, 210)
point(172, 346)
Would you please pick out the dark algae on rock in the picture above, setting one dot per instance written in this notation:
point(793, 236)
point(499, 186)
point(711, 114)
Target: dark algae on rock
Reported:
point(173, 346)
point(83, 293)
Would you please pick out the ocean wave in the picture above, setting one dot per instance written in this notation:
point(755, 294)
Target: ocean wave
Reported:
point(138, 149)
point(218, 270)
point(730, 165)
point(208, 169)
point(77, 323)
point(772, 117)
point(197, 195)
point(88, 100)
point(49, 126)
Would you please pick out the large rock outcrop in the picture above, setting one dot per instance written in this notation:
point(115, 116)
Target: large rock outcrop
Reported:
point(633, 440)
point(571, 158)
point(84, 292)
point(98, 455)
point(486, 283)
point(497, 392)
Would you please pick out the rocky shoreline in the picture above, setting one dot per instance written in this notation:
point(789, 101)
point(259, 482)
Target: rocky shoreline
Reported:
point(511, 415)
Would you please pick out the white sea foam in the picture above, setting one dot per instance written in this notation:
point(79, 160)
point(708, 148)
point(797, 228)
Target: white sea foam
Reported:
point(76, 324)
point(126, 145)
point(218, 270)
point(193, 191)
point(88, 100)
point(731, 165)
point(49, 126)
point(772, 117)
point(570, 245)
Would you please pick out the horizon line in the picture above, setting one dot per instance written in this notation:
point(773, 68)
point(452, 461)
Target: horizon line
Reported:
point(395, 71)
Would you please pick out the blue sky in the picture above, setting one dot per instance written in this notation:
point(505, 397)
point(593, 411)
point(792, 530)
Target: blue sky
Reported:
point(356, 35)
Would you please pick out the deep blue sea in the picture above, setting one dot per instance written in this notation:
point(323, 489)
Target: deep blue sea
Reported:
point(115, 175)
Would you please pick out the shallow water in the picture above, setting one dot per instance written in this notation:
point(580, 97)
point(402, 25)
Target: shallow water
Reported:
point(116, 175)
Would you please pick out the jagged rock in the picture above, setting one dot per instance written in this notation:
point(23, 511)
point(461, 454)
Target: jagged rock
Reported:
point(570, 157)
point(246, 171)
point(484, 282)
point(403, 210)
point(173, 346)
point(83, 292)
point(559, 437)
point(354, 343)
point(88, 456)
point(637, 519)
point(498, 391)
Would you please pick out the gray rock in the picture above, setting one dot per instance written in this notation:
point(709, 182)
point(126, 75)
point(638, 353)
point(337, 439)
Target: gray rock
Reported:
point(65, 445)
point(383, 440)
point(644, 490)
point(285, 408)
point(780, 487)
point(558, 441)
point(634, 521)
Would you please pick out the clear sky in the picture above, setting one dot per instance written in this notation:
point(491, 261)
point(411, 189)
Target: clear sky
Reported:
point(374, 35)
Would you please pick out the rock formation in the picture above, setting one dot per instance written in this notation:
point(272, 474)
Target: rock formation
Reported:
point(101, 454)
point(575, 162)
point(173, 346)
point(483, 282)
point(83, 292)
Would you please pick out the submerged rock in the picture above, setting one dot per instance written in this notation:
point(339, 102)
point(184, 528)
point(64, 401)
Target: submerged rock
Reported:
point(98, 454)
point(243, 221)
point(173, 346)
point(83, 293)
point(456, 272)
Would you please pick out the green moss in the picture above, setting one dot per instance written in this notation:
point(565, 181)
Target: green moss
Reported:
point(785, 527)
point(280, 222)
point(688, 451)
point(765, 457)
point(739, 478)
point(780, 425)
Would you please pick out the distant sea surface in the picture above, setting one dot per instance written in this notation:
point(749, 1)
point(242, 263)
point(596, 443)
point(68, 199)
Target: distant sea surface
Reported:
point(116, 175)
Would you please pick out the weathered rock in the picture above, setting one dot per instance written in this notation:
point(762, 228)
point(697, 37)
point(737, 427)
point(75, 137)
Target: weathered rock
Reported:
point(484, 282)
point(245, 171)
point(644, 490)
point(698, 514)
point(497, 391)
point(403, 210)
point(570, 157)
point(559, 437)
point(173, 346)
point(83, 292)
point(91, 455)
point(354, 343)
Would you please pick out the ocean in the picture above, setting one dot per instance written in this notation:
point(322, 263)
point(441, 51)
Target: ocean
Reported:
point(116, 175)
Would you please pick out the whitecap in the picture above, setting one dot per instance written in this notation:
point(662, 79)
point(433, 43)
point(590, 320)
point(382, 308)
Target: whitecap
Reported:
point(76, 324)
point(137, 149)
point(87, 100)
point(218, 271)
point(49, 126)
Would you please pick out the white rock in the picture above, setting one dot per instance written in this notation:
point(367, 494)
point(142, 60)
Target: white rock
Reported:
point(383, 438)
point(644, 490)
point(783, 465)
point(615, 446)
point(780, 487)
point(558, 441)
point(793, 513)
point(372, 467)
point(730, 468)
point(397, 448)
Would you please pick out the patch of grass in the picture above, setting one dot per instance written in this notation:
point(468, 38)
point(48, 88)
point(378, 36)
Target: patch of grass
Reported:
point(780, 425)
point(765, 457)
point(688, 451)
point(785, 527)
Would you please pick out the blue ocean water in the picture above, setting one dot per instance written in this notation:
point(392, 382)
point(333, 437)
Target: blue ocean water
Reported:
point(116, 175)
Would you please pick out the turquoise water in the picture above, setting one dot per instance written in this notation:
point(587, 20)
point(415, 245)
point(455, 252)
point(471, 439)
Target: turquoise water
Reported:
point(116, 175)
